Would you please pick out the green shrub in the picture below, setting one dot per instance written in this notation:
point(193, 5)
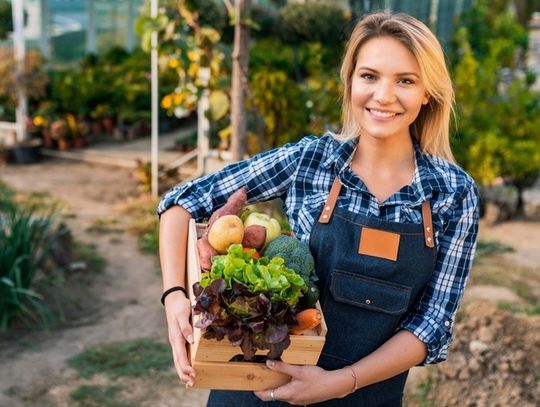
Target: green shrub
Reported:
point(279, 101)
point(26, 232)
point(322, 22)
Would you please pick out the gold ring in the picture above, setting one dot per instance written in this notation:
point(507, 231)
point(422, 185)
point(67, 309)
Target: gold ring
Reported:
point(272, 395)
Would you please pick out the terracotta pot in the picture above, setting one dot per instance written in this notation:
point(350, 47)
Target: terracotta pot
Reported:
point(48, 141)
point(95, 128)
point(64, 145)
point(79, 142)
point(108, 124)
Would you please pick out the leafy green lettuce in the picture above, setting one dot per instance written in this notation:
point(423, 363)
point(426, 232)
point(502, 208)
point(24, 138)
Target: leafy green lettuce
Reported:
point(251, 301)
point(259, 275)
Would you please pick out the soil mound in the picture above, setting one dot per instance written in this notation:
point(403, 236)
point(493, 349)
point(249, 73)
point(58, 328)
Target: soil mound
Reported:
point(494, 360)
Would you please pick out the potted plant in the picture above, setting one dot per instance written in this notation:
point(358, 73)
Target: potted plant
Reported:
point(60, 132)
point(4, 155)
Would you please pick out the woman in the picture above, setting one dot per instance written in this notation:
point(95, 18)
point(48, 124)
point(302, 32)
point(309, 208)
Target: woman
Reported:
point(390, 219)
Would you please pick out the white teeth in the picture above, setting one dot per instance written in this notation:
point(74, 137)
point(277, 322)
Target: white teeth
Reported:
point(378, 113)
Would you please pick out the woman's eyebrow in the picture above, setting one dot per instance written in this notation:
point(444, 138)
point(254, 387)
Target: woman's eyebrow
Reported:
point(367, 68)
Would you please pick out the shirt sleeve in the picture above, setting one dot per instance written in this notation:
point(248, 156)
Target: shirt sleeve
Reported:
point(266, 176)
point(432, 319)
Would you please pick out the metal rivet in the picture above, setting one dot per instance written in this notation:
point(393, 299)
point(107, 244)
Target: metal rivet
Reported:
point(368, 302)
point(429, 239)
point(428, 229)
point(327, 208)
point(325, 216)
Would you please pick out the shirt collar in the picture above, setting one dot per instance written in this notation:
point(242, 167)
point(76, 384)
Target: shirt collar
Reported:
point(428, 177)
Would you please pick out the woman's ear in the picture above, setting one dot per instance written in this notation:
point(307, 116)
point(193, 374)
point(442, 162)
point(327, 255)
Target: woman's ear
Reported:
point(425, 100)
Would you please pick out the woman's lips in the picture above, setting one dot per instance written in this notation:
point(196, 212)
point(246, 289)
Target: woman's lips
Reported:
point(381, 114)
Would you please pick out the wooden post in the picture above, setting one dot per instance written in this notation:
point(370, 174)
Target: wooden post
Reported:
point(240, 59)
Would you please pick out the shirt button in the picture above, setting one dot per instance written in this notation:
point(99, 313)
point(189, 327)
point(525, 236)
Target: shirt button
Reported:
point(446, 323)
point(368, 302)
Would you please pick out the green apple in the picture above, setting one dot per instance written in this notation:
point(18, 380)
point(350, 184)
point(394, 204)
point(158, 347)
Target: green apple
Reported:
point(273, 228)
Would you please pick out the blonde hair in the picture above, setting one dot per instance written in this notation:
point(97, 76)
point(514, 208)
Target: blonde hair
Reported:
point(432, 126)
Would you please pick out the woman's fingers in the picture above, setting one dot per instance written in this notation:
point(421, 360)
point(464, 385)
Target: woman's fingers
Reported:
point(181, 362)
point(178, 311)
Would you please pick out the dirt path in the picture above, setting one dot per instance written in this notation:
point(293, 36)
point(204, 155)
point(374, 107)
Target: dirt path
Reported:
point(129, 307)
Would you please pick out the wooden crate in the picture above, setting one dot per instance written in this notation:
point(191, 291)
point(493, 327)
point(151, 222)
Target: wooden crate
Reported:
point(211, 358)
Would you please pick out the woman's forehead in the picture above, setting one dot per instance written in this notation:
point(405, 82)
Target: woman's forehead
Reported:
point(386, 54)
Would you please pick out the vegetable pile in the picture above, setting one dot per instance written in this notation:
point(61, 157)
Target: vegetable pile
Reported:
point(256, 302)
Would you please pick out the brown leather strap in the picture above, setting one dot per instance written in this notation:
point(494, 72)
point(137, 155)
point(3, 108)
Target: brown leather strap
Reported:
point(330, 203)
point(428, 224)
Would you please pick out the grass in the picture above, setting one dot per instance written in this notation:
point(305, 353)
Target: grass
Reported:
point(516, 309)
point(104, 226)
point(490, 247)
point(499, 271)
point(88, 253)
point(97, 396)
point(420, 397)
point(143, 221)
point(133, 358)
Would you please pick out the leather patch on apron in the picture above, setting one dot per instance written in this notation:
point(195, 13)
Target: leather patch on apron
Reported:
point(379, 243)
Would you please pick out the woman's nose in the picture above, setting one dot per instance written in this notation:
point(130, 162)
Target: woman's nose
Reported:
point(384, 93)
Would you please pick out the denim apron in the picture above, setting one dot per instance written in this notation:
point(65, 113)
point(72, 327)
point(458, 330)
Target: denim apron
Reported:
point(363, 296)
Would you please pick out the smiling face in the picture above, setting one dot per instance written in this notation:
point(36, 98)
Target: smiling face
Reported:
point(387, 91)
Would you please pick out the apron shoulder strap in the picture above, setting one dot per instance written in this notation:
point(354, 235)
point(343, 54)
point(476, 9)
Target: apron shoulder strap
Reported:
point(330, 203)
point(428, 224)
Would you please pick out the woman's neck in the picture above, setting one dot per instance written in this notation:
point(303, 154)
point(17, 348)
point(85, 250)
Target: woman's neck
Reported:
point(388, 155)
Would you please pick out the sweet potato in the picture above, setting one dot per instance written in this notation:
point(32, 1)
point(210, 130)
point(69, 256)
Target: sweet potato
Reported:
point(254, 237)
point(233, 206)
point(206, 252)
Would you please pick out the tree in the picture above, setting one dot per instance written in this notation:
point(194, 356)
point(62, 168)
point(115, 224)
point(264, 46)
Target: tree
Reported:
point(498, 121)
point(240, 82)
point(6, 21)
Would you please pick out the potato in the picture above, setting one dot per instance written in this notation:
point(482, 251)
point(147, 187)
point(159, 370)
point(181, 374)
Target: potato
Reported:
point(233, 206)
point(225, 231)
point(254, 237)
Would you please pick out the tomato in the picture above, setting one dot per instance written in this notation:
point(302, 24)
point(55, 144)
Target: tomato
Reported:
point(255, 254)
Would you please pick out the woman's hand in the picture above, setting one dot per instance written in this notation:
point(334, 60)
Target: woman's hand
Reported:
point(309, 384)
point(178, 312)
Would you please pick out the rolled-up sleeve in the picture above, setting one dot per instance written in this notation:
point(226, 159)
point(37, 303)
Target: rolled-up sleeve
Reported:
point(433, 316)
point(266, 176)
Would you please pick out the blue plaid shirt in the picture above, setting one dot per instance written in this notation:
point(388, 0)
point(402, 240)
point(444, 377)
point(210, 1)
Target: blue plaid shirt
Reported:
point(301, 175)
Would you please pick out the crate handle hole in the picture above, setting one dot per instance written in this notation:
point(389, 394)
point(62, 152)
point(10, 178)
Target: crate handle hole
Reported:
point(256, 359)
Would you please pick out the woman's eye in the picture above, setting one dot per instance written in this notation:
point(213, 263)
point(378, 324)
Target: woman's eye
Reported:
point(367, 76)
point(406, 81)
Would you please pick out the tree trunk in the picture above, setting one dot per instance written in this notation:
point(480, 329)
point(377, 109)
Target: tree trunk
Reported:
point(240, 80)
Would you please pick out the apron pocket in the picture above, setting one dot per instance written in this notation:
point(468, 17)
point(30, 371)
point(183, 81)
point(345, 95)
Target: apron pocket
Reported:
point(361, 313)
point(369, 293)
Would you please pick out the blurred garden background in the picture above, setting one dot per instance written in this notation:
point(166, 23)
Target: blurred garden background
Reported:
point(80, 318)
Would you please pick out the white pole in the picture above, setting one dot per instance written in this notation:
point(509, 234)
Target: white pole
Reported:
point(19, 50)
point(155, 102)
point(433, 13)
point(44, 43)
point(203, 124)
point(91, 47)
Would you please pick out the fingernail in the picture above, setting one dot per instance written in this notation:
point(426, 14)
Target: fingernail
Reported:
point(270, 363)
point(190, 339)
